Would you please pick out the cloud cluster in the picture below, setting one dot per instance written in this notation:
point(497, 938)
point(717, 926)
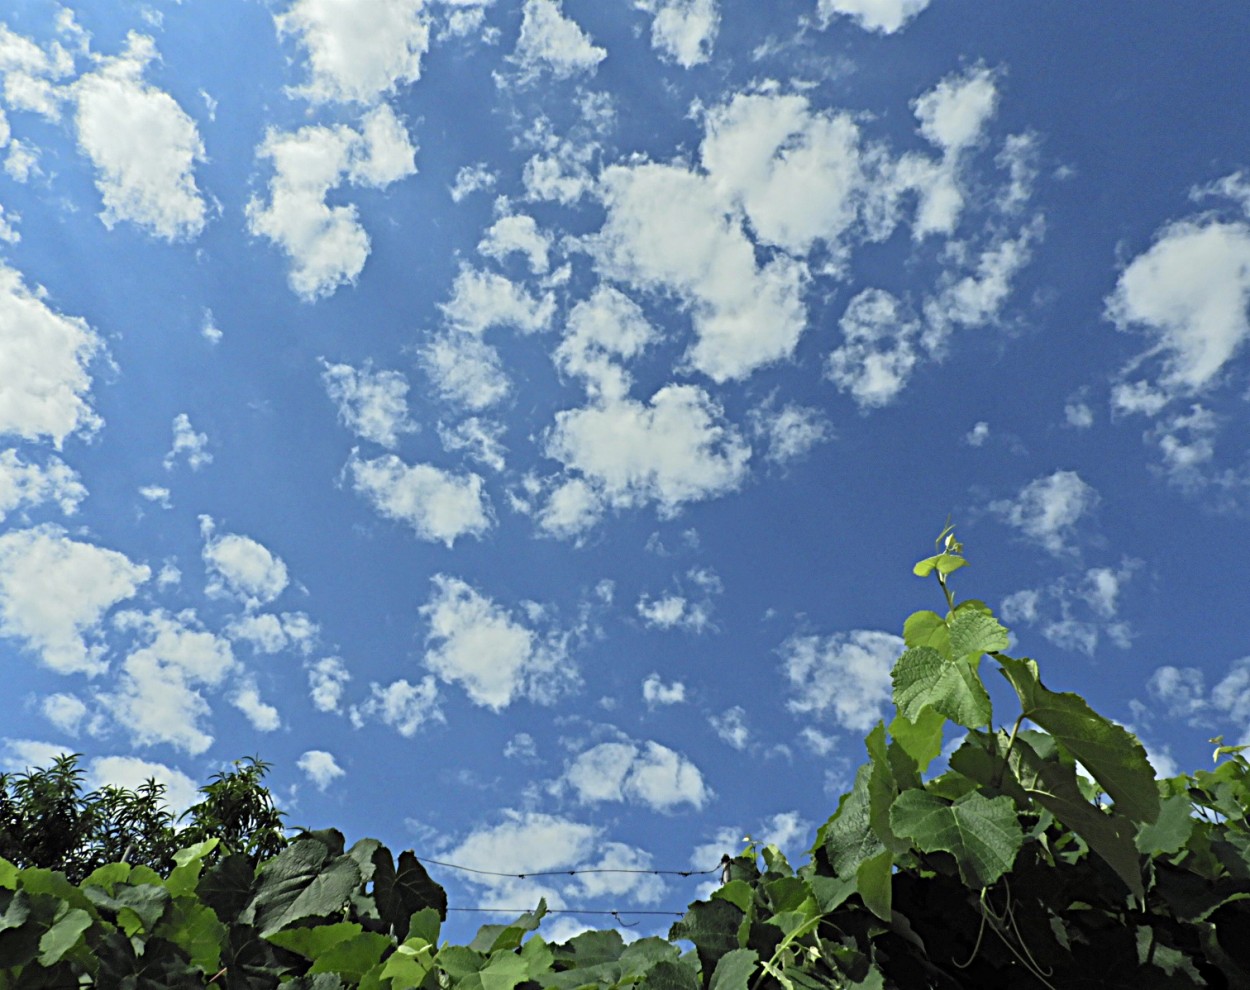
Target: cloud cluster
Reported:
point(843, 678)
point(646, 773)
point(1047, 509)
point(372, 404)
point(439, 506)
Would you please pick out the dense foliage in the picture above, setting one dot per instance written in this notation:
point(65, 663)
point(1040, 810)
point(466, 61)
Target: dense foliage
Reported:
point(48, 819)
point(1045, 854)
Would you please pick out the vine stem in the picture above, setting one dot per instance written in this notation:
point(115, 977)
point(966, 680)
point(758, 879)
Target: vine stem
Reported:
point(950, 599)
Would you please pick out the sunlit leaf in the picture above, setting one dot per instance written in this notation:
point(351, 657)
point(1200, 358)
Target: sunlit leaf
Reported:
point(983, 834)
point(924, 678)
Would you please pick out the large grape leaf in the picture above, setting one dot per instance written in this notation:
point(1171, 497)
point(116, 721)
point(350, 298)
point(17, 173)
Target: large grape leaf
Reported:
point(1112, 755)
point(734, 970)
point(983, 834)
point(873, 881)
point(302, 881)
point(1054, 786)
point(882, 790)
point(713, 928)
point(849, 838)
point(924, 678)
point(920, 739)
point(927, 629)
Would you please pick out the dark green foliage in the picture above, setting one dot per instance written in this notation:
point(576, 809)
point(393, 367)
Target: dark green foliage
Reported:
point(1012, 868)
point(47, 820)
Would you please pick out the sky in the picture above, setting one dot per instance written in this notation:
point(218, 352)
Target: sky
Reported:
point(516, 420)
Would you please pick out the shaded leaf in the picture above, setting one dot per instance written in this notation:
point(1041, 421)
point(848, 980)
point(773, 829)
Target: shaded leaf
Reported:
point(1113, 756)
point(849, 838)
point(63, 936)
point(300, 883)
point(713, 928)
point(734, 970)
point(1171, 830)
point(669, 976)
point(873, 880)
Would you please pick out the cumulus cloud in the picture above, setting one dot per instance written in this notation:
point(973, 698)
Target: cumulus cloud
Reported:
point(143, 144)
point(879, 349)
point(158, 697)
point(882, 16)
point(1076, 611)
point(240, 567)
point(327, 679)
point(66, 711)
point(479, 439)
point(372, 404)
point(441, 507)
point(677, 448)
point(1189, 293)
point(976, 297)
point(954, 113)
point(551, 42)
point(601, 333)
point(132, 773)
point(262, 716)
point(54, 591)
point(477, 644)
point(517, 233)
point(790, 432)
point(645, 773)
point(320, 767)
point(677, 609)
point(403, 706)
point(471, 179)
point(30, 73)
point(682, 31)
point(1183, 691)
point(667, 231)
point(1047, 509)
point(187, 444)
point(26, 484)
point(268, 633)
point(326, 244)
point(731, 727)
point(43, 366)
point(656, 692)
point(357, 52)
point(844, 678)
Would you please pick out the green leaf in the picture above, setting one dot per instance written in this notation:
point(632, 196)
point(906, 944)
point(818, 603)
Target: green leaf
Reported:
point(312, 942)
point(8, 875)
point(1113, 756)
point(943, 563)
point(496, 938)
point(874, 880)
point(974, 632)
point(920, 738)
point(189, 863)
point(300, 883)
point(458, 961)
point(353, 957)
point(63, 936)
point(1170, 831)
point(849, 838)
point(923, 678)
point(407, 966)
point(640, 956)
point(713, 928)
point(670, 976)
point(927, 629)
point(737, 892)
point(831, 892)
point(882, 790)
point(108, 876)
point(1054, 786)
point(983, 834)
point(195, 928)
point(425, 924)
point(734, 970)
point(504, 972)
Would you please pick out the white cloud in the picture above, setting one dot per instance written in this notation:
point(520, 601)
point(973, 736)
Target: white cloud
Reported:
point(320, 767)
point(465, 370)
point(209, 329)
point(240, 567)
point(130, 772)
point(521, 747)
point(879, 350)
point(1078, 415)
point(682, 31)
point(731, 727)
point(402, 705)
point(24, 484)
point(844, 677)
point(65, 711)
point(372, 404)
point(187, 444)
point(480, 439)
point(646, 773)
point(602, 330)
point(143, 145)
point(517, 233)
point(327, 678)
point(667, 231)
point(54, 592)
point(29, 73)
point(551, 41)
point(30, 754)
point(883, 16)
point(157, 699)
point(1183, 691)
point(440, 506)
point(791, 431)
point(481, 300)
point(672, 612)
point(1189, 292)
point(471, 179)
point(263, 716)
point(656, 692)
point(1187, 442)
point(268, 633)
point(977, 436)
point(572, 508)
point(1076, 611)
point(159, 494)
point(326, 244)
point(357, 52)
point(954, 113)
point(1047, 509)
point(976, 298)
point(675, 449)
point(477, 644)
point(43, 366)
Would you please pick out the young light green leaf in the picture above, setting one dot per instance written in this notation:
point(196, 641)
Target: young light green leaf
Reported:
point(312, 942)
point(1113, 756)
point(983, 834)
point(974, 632)
point(924, 678)
point(353, 957)
point(882, 790)
point(63, 936)
point(927, 629)
point(737, 893)
point(921, 739)
point(943, 563)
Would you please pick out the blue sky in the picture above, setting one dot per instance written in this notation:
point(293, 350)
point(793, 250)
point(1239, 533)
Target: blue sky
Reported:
point(516, 419)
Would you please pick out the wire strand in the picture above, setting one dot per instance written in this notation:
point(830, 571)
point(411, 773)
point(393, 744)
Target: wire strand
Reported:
point(567, 873)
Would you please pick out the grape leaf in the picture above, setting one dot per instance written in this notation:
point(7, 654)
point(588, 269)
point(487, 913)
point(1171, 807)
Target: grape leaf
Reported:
point(974, 632)
point(983, 834)
point(924, 678)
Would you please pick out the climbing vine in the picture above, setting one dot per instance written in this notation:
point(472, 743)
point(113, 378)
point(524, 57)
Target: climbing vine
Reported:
point(1043, 854)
